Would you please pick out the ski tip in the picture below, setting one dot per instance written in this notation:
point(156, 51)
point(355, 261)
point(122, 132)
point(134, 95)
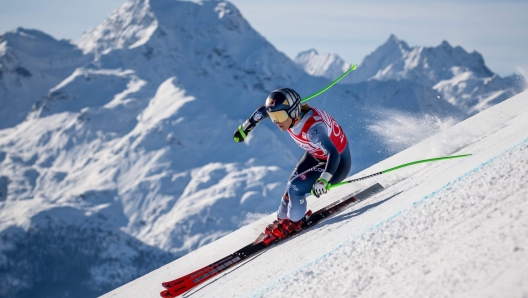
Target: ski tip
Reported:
point(166, 294)
point(166, 285)
point(174, 291)
point(170, 284)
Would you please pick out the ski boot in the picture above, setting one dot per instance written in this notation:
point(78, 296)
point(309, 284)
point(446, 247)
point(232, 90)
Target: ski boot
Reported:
point(283, 227)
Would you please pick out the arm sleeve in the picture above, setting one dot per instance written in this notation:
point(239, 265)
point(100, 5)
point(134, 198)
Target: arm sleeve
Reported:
point(317, 135)
point(257, 116)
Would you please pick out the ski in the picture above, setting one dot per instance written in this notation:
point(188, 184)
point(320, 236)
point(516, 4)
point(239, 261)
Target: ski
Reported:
point(185, 283)
point(342, 204)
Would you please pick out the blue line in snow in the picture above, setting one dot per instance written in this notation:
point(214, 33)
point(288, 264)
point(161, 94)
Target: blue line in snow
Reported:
point(398, 214)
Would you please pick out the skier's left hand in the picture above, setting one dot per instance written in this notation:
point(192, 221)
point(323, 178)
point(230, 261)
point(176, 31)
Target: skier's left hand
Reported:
point(321, 185)
point(243, 131)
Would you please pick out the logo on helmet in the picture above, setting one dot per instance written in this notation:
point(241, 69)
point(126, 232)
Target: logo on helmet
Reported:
point(286, 102)
point(271, 102)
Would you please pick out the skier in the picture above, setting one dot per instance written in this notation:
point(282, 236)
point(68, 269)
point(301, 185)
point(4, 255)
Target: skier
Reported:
point(326, 161)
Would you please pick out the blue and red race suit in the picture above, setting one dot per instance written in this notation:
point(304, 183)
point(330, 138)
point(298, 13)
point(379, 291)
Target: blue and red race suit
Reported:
point(327, 150)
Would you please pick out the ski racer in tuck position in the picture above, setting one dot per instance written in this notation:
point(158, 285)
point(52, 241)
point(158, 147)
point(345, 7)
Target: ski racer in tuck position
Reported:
point(326, 161)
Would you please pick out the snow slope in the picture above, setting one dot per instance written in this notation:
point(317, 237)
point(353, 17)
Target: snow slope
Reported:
point(447, 229)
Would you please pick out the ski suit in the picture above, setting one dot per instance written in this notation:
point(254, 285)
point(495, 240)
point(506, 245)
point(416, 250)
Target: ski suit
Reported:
point(327, 150)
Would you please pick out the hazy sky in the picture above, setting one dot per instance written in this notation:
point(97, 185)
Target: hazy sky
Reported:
point(351, 29)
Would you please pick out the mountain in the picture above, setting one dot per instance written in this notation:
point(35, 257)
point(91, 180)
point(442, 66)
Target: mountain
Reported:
point(127, 159)
point(461, 78)
point(330, 66)
point(31, 63)
point(443, 229)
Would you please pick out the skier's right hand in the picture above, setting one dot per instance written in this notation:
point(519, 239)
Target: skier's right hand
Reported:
point(243, 130)
point(321, 185)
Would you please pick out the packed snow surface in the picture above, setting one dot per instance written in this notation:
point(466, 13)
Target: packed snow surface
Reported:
point(455, 228)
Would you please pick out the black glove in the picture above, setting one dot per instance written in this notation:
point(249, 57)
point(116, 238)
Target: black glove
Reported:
point(243, 130)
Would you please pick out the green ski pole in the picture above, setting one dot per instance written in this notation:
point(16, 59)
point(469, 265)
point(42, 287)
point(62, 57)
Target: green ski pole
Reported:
point(398, 167)
point(395, 168)
point(353, 67)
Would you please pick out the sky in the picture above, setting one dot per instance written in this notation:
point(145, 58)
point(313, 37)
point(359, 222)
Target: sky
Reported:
point(352, 29)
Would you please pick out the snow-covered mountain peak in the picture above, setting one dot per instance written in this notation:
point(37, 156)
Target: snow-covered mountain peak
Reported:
point(310, 52)
point(396, 60)
point(135, 22)
point(35, 47)
point(126, 27)
point(198, 43)
point(460, 78)
point(321, 65)
point(31, 62)
point(27, 39)
point(170, 82)
point(394, 43)
point(386, 54)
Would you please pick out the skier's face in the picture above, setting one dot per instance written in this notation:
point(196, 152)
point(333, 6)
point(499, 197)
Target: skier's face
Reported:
point(284, 125)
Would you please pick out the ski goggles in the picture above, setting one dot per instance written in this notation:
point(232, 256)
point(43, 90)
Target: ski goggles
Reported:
point(278, 116)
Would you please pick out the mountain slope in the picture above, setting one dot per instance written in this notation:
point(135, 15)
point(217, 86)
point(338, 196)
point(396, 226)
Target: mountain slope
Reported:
point(31, 63)
point(441, 229)
point(129, 134)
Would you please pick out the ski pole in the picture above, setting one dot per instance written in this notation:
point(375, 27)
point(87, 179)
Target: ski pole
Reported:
point(395, 168)
point(353, 67)
point(399, 167)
